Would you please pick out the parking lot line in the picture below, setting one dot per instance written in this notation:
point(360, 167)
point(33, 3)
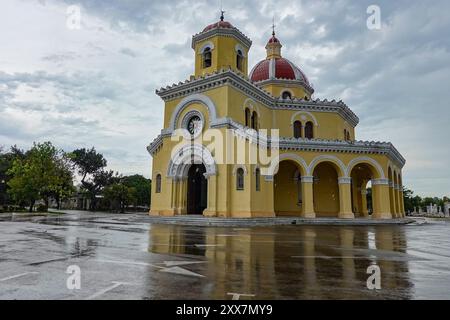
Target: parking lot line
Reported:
point(17, 276)
point(102, 292)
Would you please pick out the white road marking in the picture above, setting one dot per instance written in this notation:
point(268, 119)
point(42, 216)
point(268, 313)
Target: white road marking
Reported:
point(181, 271)
point(130, 263)
point(17, 276)
point(181, 263)
point(102, 292)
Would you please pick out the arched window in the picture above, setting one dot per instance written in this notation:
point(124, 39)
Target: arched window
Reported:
point(345, 134)
point(348, 135)
point(286, 95)
point(158, 184)
point(240, 179)
point(297, 129)
point(247, 117)
point(239, 60)
point(306, 98)
point(309, 130)
point(258, 179)
point(254, 120)
point(207, 58)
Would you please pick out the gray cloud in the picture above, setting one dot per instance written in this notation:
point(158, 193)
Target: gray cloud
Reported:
point(395, 79)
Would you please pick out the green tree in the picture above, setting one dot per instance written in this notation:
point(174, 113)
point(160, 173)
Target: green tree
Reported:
point(6, 162)
point(36, 175)
point(120, 196)
point(410, 201)
point(94, 178)
point(63, 187)
point(142, 187)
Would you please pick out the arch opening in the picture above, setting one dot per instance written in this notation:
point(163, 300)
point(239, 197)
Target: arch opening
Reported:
point(197, 190)
point(287, 188)
point(362, 192)
point(326, 190)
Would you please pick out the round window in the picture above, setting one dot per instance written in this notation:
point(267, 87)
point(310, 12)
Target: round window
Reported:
point(194, 125)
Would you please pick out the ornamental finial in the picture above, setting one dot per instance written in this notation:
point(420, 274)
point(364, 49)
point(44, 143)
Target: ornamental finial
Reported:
point(273, 26)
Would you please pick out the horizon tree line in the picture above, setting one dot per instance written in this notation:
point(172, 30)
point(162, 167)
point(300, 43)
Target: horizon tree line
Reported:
point(45, 172)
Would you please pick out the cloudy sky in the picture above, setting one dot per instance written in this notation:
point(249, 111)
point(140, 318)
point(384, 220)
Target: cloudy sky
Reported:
point(96, 86)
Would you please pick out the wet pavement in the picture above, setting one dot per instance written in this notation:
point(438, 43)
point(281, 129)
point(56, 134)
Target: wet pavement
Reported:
point(125, 257)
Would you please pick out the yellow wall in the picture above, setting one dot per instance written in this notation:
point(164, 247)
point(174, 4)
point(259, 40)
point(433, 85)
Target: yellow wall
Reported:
point(286, 190)
point(326, 191)
point(223, 56)
point(296, 90)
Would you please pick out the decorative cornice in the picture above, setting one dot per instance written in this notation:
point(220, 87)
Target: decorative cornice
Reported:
point(226, 32)
point(240, 82)
point(279, 81)
point(300, 144)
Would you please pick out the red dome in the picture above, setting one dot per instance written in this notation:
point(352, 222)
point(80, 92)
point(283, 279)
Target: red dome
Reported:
point(274, 40)
point(277, 68)
point(220, 24)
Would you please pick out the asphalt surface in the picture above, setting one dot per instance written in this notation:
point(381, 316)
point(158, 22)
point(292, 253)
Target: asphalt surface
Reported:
point(126, 257)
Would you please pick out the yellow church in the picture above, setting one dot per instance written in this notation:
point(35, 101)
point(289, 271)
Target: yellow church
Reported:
point(244, 145)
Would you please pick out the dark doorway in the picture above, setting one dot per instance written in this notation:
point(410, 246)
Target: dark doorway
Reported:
point(197, 193)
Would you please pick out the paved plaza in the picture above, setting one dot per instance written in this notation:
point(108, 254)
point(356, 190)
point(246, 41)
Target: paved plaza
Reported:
point(127, 257)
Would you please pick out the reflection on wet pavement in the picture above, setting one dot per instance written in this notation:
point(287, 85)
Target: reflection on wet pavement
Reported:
point(124, 257)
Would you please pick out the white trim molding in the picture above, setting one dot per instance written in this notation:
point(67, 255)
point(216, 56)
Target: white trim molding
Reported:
point(240, 47)
point(209, 45)
point(309, 114)
point(307, 179)
point(275, 164)
point(188, 155)
point(345, 180)
point(327, 158)
point(367, 160)
point(241, 166)
point(380, 182)
point(195, 98)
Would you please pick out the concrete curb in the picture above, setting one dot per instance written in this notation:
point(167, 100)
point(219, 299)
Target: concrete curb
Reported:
point(255, 222)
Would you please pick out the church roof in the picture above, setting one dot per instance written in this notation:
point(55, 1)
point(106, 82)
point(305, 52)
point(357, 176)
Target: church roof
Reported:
point(219, 24)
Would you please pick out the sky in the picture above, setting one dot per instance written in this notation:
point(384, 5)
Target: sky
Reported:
point(95, 86)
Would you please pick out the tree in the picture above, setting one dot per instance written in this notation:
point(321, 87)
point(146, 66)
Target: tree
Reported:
point(119, 195)
point(410, 201)
point(94, 178)
point(142, 187)
point(88, 162)
point(36, 175)
point(6, 162)
point(63, 187)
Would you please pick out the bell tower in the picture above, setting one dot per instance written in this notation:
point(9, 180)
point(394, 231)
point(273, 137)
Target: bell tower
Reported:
point(220, 45)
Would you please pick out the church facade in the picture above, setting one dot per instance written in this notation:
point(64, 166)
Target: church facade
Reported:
point(240, 144)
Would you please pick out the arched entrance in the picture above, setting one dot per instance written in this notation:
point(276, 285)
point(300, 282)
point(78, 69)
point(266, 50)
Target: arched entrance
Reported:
point(197, 189)
point(326, 190)
point(288, 190)
point(362, 191)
